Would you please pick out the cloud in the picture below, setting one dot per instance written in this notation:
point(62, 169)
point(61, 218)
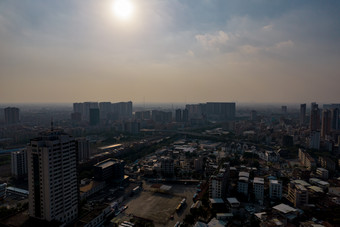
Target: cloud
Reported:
point(284, 44)
point(268, 27)
point(213, 41)
point(190, 53)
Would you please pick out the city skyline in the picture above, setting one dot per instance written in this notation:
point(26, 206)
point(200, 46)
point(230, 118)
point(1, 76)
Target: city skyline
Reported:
point(185, 52)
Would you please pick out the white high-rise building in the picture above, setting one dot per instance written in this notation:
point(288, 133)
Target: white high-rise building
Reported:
point(52, 177)
point(275, 189)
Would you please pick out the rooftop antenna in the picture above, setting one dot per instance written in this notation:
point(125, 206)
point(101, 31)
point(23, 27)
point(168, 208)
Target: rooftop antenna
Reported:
point(52, 124)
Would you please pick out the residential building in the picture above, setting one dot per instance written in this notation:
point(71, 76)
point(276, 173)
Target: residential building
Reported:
point(314, 140)
point(94, 116)
point(19, 163)
point(297, 193)
point(326, 123)
point(258, 185)
point(275, 189)
point(314, 124)
point(322, 173)
point(83, 149)
point(52, 177)
point(218, 184)
point(243, 183)
point(306, 160)
point(302, 113)
point(12, 115)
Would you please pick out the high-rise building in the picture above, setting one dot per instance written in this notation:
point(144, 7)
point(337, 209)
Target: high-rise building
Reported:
point(52, 177)
point(19, 163)
point(185, 116)
point(314, 117)
point(284, 109)
point(105, 109)
point(326, 123)
point(83, 149)
point(123, 110)
point(253, 115)
point(94, 116)
point(335, 119)
point(220, 111)
point(11, 115)
point(178, 115)
point(302, 113)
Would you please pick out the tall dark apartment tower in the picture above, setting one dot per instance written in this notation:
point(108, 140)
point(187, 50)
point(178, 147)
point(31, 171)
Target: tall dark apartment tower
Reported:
point(302, 113)
point(94, 116)
point(185, 117)
point(52, 177)
point(314, 117)
point(335, 119)
point(326, 123)
point(11, 115)
point(178, 115)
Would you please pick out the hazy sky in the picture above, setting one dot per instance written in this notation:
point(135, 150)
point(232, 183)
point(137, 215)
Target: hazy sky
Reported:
point(170, 50)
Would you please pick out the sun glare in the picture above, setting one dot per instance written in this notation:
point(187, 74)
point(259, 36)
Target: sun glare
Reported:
point(123, 9)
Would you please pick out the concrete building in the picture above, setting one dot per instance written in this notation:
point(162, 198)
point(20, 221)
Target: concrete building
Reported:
point(12, 115)
point(243, 183)
point(178, 115)
point(258, 185)
point(3, 190)
point(167, 167)
point(306, 160)
point(94, 116)
point(52, 177)
point(322, 173)
point(110, 170)
point(275, 189)
point(218, 184)
point(314, 124)
point(314, 140)
point(302, 114)
point(327, 163)
point(83, 149)
point(297, 193)
point(19, 163)
point(198, 164)
point(104, 110)
point(335, 119)
point(326, 123)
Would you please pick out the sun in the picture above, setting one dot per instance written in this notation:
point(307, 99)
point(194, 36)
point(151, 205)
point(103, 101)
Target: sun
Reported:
point(123, 9)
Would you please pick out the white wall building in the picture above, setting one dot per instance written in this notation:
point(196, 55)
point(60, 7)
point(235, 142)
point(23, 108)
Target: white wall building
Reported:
point(52, 177)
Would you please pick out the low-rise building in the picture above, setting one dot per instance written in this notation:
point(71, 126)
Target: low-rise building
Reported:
point(297, 193)
point(322, 173)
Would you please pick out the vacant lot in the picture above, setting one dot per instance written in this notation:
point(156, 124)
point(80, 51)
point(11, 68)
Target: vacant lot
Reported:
point(154, 206)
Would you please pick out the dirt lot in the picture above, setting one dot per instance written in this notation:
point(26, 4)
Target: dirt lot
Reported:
point(158, 207)
point(154, 206)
